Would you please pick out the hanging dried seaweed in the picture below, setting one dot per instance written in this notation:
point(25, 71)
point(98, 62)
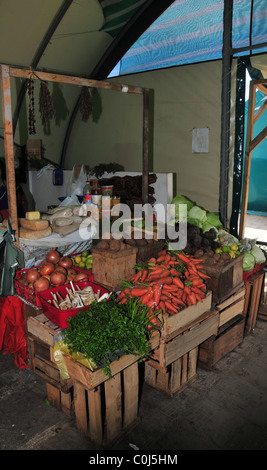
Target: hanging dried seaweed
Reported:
point(85, 103)
point(31, 118)
point(46, 106)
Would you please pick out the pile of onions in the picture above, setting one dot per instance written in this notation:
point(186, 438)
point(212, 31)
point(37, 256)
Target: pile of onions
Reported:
point(55, 270)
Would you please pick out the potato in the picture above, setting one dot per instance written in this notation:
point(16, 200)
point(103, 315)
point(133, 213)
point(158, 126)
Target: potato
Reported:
point(103, 245)
point(114, 245)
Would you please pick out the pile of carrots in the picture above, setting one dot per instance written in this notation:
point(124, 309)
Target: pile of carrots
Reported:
point(168, 283)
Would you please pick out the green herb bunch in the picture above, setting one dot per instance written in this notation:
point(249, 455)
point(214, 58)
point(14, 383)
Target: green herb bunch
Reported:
point(109, 329)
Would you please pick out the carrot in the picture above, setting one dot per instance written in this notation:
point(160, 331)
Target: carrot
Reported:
point(146, 297)
point(123, 301)
point(183, 258)
point(187, 290)
point(197, 282)
point(121, 295)
point(174, 272)
point(161, 258)
point(138, 292)
point(169, 287)
point(178, 301)
point(192, 298)
point(143, 275)
point(203, 276)
point(168, 280)
point(170, 307)
point(135, 277)
point(198, 292)
point(177, 281)
point(162, 306)
point(156, 293)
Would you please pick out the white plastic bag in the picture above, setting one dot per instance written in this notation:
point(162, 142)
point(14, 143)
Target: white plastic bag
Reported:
point(76, 185)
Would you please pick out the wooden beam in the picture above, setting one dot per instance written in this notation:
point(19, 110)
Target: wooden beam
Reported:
point(258, 139)
point(9, 150)
point(247, 164)
point(72, 80)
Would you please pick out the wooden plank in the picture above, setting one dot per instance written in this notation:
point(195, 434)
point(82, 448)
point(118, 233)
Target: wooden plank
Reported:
point(238, 295)
point(80, 408)
point(254, 303)
point(95, 415)
point(53, 395)
point(192, 362)
point(40, 327)
point(232, 311)
point(183, 319)
point(73, 80)
point(113, 402)
point(185, 342)
point(176, 374)
point(89, 379)
point(131, 393)
point(9, 150)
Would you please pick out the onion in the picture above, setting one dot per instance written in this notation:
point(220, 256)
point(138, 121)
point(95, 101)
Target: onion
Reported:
point(41, 284)
point(61, 269)
point(81, 277)
point(53, 256)
point(58, 278)
point(65, 261)
point(47, 268)
point(32, 275)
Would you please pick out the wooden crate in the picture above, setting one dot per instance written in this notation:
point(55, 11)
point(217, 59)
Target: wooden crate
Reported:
point(180, 321)
point(171, 350)
point(224, 280)
point(105, 412)
point(231, 307)
point(40, 343)
point(229, 336)
point(150, 250)
point(176, 376)
point(252, 301)
point(109, 269)
point(262, 313)
point(104, 406)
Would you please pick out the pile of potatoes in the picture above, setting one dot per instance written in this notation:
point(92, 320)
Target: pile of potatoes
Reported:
point(122, 244)
point(211, 258)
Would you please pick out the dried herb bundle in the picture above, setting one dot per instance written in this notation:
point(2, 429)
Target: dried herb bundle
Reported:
point(30, 92)
point(46, 107)
point(85, 103)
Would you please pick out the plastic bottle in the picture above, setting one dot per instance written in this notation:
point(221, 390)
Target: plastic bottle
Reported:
point(87, 193)
point(96, 194)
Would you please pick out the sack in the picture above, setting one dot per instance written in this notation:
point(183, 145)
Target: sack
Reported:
point(11, 258)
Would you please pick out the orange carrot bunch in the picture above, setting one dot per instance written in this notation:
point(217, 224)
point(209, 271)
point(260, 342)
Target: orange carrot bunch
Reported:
point(170, 283)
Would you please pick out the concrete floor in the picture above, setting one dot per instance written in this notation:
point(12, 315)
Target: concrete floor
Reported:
point(256, 227)
point(224, 409)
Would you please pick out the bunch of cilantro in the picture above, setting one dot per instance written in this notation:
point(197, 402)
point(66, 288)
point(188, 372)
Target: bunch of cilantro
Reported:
point(109, 329)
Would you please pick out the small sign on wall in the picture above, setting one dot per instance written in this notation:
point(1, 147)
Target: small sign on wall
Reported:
point(200, 140)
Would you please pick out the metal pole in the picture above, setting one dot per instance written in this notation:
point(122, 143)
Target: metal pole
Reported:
point(225, 110)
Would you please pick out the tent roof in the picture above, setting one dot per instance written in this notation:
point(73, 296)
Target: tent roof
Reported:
point(89, 37)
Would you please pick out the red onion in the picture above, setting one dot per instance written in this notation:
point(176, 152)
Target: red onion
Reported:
point(47, 268)
point(32, 275)
point(65, 262)
point(41, 284)
point(53, 256)
point(58, 278)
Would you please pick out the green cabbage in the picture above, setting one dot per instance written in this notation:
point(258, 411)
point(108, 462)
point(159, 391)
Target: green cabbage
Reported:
point(179, 199)
point(197, 216)
point(248, 262)
point(207, 226)
point(214, 219)
point(258, 254)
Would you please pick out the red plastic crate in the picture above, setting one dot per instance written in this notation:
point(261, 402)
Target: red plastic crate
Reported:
point(30, 294)
point(59, 317)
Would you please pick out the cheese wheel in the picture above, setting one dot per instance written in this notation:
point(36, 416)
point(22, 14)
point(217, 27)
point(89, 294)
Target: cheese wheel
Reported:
point(34, 224)
point(34, 234)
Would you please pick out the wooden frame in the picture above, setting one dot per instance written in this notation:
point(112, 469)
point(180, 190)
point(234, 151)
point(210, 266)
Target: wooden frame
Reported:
point(8, 72)
point(251, 144)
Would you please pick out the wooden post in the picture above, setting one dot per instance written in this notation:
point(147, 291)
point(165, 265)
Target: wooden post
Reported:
point(145, 144)
point(9, 150)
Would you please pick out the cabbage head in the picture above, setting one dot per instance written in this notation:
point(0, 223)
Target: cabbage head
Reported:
point(214, 219)
point(207, 226)
point(197, 216)
point(179, 199)
point(258, 254)
point(248, 262)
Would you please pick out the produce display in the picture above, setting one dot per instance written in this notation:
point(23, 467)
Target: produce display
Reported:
point(54, 270)
point(75, 297)
point(168, 283)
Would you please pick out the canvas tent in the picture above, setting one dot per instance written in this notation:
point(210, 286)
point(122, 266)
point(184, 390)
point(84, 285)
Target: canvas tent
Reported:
point(191, 55)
